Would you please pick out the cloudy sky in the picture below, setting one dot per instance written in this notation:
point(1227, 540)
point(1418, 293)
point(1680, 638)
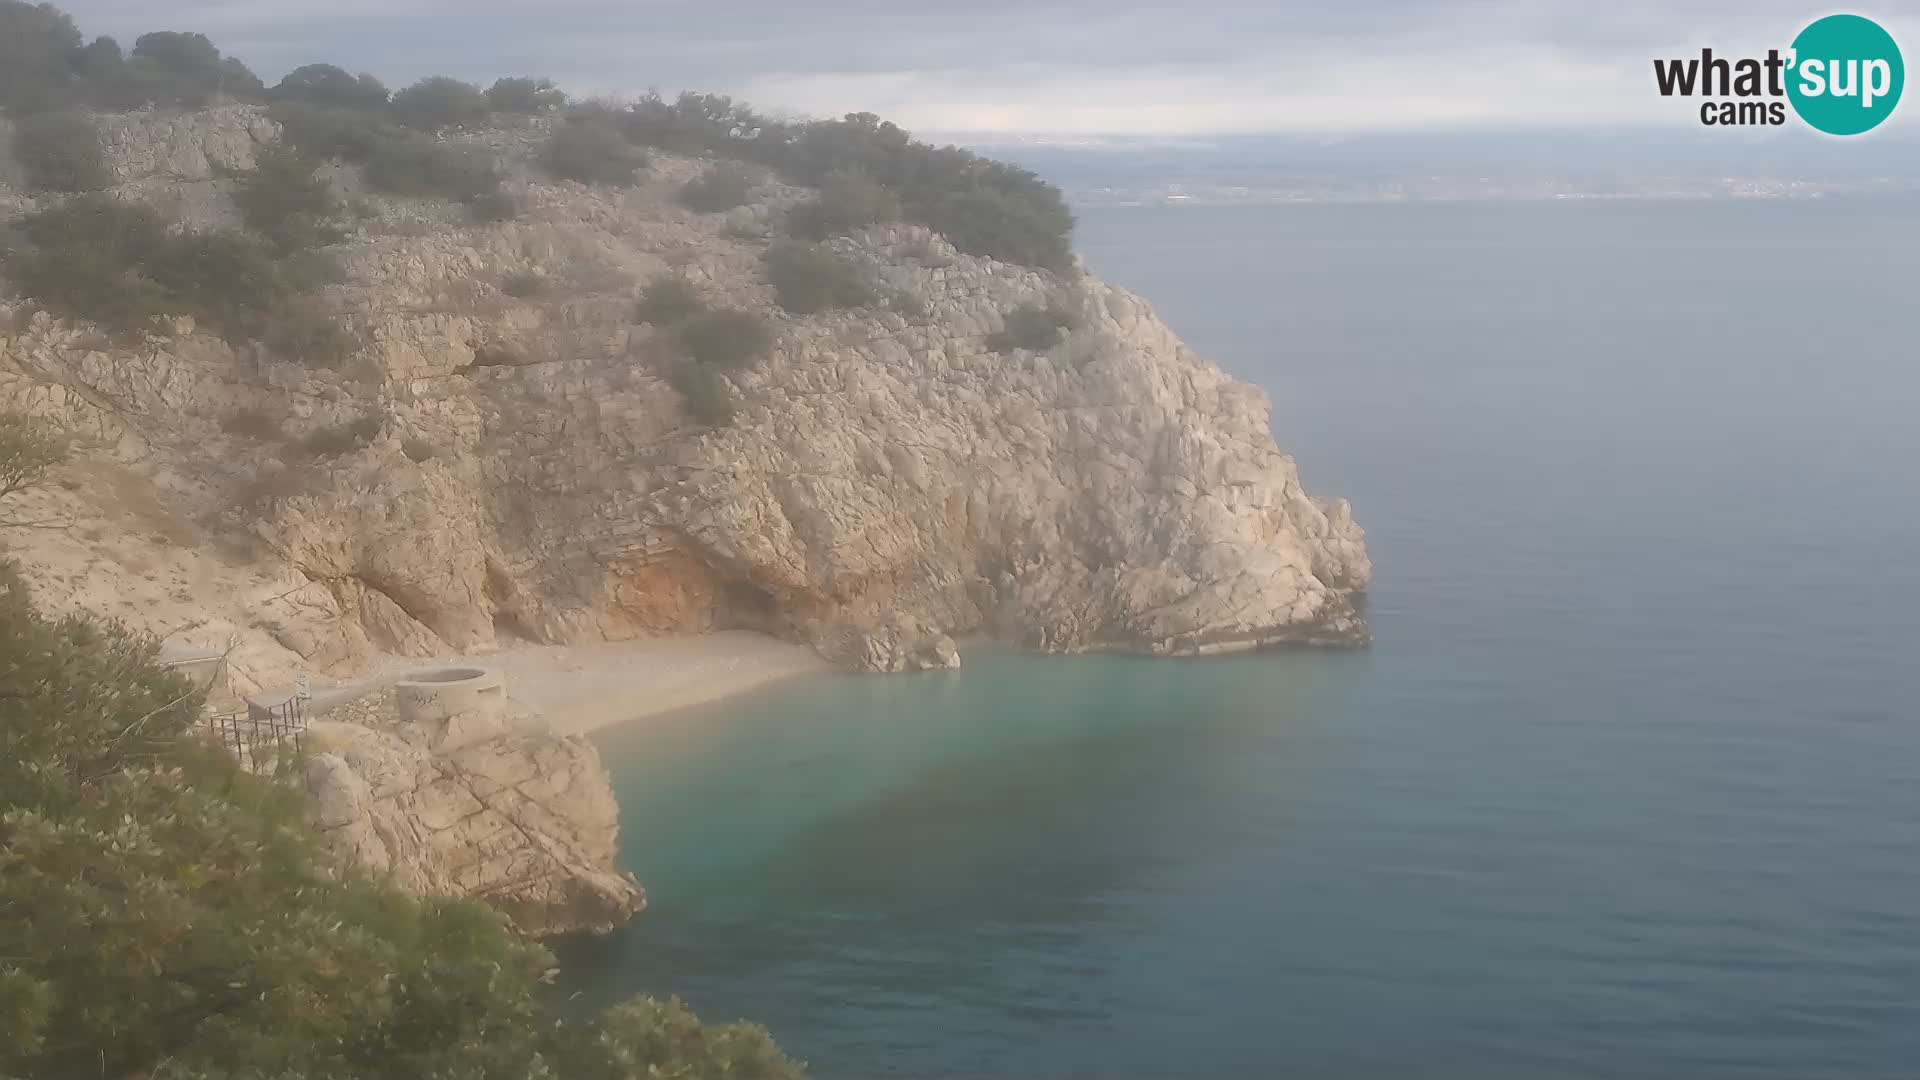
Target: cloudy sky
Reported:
point(1053, 66)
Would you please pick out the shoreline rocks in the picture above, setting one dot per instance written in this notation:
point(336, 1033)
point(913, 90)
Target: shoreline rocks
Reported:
point(517, 817)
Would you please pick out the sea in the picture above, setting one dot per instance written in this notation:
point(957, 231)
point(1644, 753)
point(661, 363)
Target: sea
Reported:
point(1628, 784)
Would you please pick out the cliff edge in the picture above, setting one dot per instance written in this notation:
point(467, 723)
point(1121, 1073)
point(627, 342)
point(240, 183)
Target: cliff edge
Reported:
point(522, 465)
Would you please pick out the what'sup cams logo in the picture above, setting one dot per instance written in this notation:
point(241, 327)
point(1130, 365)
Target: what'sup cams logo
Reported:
point(1843, 76)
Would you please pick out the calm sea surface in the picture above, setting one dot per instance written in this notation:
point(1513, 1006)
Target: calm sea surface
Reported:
point(1629, 785)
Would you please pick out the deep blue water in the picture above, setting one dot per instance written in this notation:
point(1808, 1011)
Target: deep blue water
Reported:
point(1629, 784)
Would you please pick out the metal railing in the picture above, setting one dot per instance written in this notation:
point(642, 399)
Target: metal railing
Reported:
point(256, 736)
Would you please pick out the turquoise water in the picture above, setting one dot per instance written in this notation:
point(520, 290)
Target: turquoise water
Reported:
point(1629, 784)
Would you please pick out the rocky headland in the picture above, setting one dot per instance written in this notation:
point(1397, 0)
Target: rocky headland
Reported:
point(506, 458)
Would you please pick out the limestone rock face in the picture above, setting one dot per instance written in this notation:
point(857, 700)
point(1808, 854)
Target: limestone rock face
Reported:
point(193, 145)
point(524, 821)
point(524, 468)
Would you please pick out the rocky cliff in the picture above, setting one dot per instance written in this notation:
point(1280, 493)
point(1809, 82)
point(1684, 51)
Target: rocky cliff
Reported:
point(504, 457)
point(529, 471)
point(517, 817)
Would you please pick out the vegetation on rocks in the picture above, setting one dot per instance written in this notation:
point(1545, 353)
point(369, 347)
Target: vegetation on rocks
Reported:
point(847, 201)
point(722, 187)
point(1032, 326)
point(668, 299)
point(60, 151)
point(706, 393)
point(437, 102)
point(325, 84)
point(983, 207)
point(284, 201)
point(590, 153)
point(726, 338)
point(811, 278)
point(304, 333)
point(418, 166)
point(45, 64)
point(169, 915)
point(323, 129)
point(116, 263)
point(525, 95)
point(28, 448)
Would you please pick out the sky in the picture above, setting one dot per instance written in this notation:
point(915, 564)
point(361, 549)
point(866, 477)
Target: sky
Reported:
point(1121, 67)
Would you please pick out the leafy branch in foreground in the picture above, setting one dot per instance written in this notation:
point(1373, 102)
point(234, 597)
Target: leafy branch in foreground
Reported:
point(168, 915)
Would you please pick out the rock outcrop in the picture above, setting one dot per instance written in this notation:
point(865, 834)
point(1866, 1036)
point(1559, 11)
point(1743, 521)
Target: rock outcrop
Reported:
point(501, 462)
point(522, 819)
point(530, 471)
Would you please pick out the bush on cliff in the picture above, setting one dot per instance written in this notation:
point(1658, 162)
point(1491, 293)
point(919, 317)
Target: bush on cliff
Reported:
point(170, 68)
point(322, 130)
point(169, 915)
point(726, 338)
point(983, 207)
point(525, 96)
point(811, 278)
point(284, 200)
point(668, 299)
point(437, 102)
point(36, 41)
point(847, 201)
point(116, 263)
point(590, 153)
point(325, 84)
point(705, 392)
point(87, 259)
point(722, 187)
point(1032, 326)
point(60, 151)
point(418, 166)
point(304, 333)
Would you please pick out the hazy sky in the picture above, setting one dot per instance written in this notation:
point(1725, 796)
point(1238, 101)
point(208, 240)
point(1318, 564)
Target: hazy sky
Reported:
point(1111, 66)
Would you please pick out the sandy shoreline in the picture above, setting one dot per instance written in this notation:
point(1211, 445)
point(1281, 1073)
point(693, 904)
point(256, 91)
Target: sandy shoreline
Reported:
point(586, 687)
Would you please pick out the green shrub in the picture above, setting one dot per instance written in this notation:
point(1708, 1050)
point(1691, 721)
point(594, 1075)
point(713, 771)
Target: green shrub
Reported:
point(309, 271)
point(284, 200)
point(705, 393)
point(172, 69)
point(224, 279)
point(35, 42)
point(493, 207)
point(722, 187)
point(847, 201)
point(668, 299)
point(1032, 326)
point(527, 96)
point(523, 283)
point(983, 207)
point(726, 338)
point(810, 278)
point(696, 123)
point(305, 334)
point(437, 102)
point(591, 154)
point(86, 259)
point(60, 151)
point(115, 263)
point(324, 131)
point(325, 84)
point(29, 447)
point(419, 166)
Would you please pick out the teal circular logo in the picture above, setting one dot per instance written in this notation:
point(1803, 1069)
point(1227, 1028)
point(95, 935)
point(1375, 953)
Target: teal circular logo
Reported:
point(1845, 76)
